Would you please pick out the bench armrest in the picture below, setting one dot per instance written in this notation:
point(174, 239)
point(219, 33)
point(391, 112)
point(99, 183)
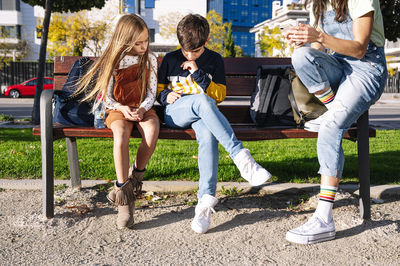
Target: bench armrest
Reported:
point(46, 108)
point(46, 139)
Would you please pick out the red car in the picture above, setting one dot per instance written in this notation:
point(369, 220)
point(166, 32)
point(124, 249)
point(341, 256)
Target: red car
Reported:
point(27, 88)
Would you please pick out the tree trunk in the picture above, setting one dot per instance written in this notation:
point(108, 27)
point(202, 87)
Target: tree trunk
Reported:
point(42, 60)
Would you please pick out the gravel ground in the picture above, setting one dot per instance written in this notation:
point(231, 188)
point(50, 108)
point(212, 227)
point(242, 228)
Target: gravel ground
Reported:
point(247, 229)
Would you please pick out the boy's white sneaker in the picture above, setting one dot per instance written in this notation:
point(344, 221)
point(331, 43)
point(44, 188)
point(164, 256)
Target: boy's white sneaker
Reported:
point(201, 220)
point(313, 231)
point(254, 173)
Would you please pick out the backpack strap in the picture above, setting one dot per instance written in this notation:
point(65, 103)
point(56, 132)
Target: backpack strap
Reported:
point(270, 82)
point(293, 100)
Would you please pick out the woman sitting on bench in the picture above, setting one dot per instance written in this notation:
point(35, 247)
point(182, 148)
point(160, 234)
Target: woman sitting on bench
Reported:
point(348, 81)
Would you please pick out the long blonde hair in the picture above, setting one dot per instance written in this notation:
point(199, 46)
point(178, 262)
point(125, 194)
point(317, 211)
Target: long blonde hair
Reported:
point(126, 33)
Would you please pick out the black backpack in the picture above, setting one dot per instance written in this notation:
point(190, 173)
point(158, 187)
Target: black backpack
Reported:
point(270, 105)
point(68, 110)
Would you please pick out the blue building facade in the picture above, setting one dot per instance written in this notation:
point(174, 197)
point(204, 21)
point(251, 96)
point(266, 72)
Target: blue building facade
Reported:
point(243, 14)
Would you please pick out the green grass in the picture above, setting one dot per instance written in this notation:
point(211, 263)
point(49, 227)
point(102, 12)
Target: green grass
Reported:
point(5, 117)
point(290, 160)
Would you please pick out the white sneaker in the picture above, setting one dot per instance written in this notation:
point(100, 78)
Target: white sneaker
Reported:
point(313, 231)
point(254, 173)
point(201, 220)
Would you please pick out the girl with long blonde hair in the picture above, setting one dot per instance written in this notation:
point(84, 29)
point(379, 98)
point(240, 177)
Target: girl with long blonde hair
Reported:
point(126, 81)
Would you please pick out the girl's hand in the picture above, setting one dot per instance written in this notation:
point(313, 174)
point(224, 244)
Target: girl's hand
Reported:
point(138, 113)
point(189, 65)
point(131, 113)
point(126, 111)
point(172, 97)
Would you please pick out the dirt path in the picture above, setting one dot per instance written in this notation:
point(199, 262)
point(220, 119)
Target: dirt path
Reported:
point(245, 230)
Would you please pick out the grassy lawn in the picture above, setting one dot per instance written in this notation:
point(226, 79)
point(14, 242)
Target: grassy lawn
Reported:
point(291, 160)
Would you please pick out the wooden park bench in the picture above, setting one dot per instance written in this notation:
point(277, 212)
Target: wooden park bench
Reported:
point(240, 79)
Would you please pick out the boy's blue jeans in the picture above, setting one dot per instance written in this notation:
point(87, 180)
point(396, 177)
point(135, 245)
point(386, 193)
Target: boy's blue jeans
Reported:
point(201, 113)
point(357, 85)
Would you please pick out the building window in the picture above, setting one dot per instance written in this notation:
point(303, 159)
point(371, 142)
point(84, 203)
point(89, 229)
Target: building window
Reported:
point(10, 5)
point(265, 4)
point(13, 32)
point(254, 16)
point(132, 6)
point(245, 2)
point(149, 4)
point(243, 40)
point(152, 33)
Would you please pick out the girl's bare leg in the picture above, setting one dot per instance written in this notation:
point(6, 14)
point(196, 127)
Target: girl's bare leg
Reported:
point(121, 130)
point(149, 129)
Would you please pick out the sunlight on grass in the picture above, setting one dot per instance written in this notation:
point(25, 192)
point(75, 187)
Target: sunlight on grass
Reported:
point(289, 160)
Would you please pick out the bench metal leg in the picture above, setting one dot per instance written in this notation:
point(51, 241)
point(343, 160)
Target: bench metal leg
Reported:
point(73, 161)
point(363, 165)
point(46, 139)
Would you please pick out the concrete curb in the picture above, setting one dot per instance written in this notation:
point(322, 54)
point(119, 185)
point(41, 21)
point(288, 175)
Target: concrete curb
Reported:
point(377, 192)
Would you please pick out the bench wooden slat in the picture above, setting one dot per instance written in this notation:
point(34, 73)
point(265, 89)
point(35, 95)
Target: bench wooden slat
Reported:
point(243, 132)
point(235, 86)
point(248, 65)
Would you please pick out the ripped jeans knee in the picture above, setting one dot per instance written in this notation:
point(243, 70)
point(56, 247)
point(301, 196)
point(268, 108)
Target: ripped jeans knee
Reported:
point(329, 144)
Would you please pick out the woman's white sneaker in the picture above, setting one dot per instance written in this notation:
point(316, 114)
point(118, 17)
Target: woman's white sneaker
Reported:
point(313, 231)
point(254, 173)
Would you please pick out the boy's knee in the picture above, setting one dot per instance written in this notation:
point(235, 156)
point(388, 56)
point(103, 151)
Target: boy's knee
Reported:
point(202, 100)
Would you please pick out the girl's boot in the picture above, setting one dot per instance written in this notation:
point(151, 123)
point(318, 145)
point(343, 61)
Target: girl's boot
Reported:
point(137, 182)
point(125, 200)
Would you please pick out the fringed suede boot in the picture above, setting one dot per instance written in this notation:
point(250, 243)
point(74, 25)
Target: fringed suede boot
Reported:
point(137, 182)
point(125, 200)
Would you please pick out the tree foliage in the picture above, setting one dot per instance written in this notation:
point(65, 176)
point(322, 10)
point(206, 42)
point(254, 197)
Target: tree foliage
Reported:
point(70, 34)
point(272, 43)
point(220, 38)
point(168, 23)
point(229, 50)
point(68, 5)
point(218, 32)
point(391, 18)
point(53, 6)
point(10, 51)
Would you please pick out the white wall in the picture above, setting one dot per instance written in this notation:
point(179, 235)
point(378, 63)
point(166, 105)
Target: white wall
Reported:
point(28, 31)
point(10, 17)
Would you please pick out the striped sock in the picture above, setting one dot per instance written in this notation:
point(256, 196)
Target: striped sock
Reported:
point(326, 97)
point(325, 203)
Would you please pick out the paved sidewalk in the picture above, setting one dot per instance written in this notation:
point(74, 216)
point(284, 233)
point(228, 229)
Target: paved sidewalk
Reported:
point(377, 192)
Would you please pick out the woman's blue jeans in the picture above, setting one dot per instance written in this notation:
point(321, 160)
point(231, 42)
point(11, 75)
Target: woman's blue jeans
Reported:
point(201, 113)
point(357, 85)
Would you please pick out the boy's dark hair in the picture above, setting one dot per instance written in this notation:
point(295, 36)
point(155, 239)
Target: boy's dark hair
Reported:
point(192, 32)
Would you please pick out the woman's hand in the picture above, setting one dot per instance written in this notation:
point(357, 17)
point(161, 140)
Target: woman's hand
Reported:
point(172, 97)
point(302, 34)
point(357, 47)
